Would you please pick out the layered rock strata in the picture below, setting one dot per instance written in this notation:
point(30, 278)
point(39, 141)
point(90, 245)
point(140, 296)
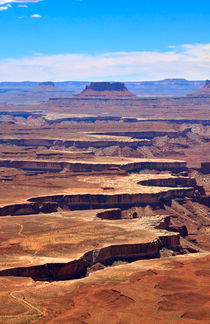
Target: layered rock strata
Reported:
point(106, 90)
point(170, 182)
point(106, 256)
point(28, 209)
point(161, 165)
point(77, 143)
point(98, 201)
point(163, 189)
point(158, 222)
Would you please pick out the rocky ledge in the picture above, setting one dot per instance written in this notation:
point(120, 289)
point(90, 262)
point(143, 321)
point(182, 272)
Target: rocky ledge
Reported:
point(124, 200)
point(105, 256)
point(88, 166)
point(50, 204)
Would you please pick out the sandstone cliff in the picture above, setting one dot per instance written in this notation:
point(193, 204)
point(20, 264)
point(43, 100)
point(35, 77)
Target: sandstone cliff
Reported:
point(38, 165)
point(98, 201)
point(28, 209)
point(49, 204)
point(107, 255)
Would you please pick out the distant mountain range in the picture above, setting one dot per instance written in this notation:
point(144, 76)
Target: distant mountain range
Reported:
point(202, 92)
point(21, 92)
point(167, 87)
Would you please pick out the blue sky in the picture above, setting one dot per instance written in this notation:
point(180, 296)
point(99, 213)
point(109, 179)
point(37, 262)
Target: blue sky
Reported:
point(104, 39)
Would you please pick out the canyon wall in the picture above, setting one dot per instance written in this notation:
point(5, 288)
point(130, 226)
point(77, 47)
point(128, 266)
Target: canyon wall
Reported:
point(107, 255)
point(157, 221)
point(77, 143)
point(175, 166)
point(49, 204)
point(28, 209)
point(100, 201)
point(170, 182)
point(110, 214)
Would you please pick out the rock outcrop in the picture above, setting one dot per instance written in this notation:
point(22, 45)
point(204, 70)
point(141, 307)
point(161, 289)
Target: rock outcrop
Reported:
point(39, 165)
point(46, 86)
point(98, 201)
point(29, 209)
point(107, 255)
point(157, 222)
point(96, 143)
point(205, 167)
point(105, 90)
point(106, 86)
point(110, 214)
point(170, 182)
point(49, 204)
point(203, 92)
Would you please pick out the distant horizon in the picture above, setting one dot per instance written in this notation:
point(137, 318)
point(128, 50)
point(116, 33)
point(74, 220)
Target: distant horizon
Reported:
point(112, 81)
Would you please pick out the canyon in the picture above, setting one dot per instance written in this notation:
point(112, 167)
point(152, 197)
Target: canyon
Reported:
point(105, 206)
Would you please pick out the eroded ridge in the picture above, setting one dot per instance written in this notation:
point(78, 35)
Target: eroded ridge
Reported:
point(97, 259)
point(120, 192)
point(129, 165)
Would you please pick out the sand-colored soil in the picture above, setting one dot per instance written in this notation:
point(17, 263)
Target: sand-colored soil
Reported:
point(152, 291)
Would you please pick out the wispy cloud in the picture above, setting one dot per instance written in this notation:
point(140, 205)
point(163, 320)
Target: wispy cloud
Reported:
point(36, 16)
point(4, 8)
point(6, 4)
point(2, 2)
point(185, 61)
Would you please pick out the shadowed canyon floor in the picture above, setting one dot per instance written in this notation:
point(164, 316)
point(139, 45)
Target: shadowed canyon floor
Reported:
point(104, 217)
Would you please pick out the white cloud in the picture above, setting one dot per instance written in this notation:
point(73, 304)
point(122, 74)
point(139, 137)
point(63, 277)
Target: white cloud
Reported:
point(186, 61)
point(6, 4)
point(2, 2)
point(22, 6)
point(36, 16)
point(4, 8)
